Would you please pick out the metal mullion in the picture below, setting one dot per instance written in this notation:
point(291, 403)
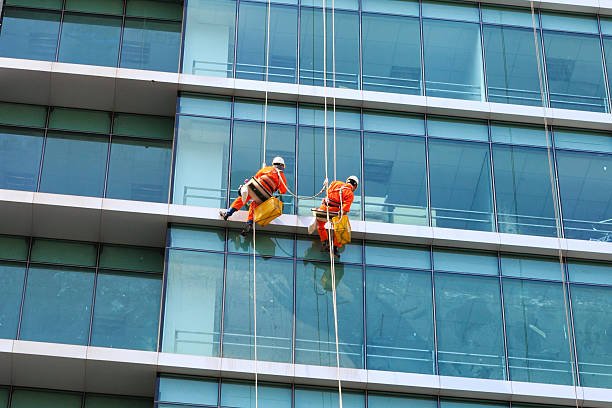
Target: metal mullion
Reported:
point(503, 317)
point(108, 157)
point(427, 173)
point(164, 292)
point(235, 41)
point(181, 52)
point(298, 44)
point(95, 286)
point(122, 31)
point(294, 309)
point(542, 58)
point(492, 183)
point(422, 50)
point(43, 148)
point(605, 67)
point(223, 299)
point(364, 308)
point(572, 333)
point(362, 171)
point(59, 32)
point(23, 291)
point(230, 155)
point(174, 150)
point(557, 193)
point(433, 313)
point(483, 55)
point(360, 40)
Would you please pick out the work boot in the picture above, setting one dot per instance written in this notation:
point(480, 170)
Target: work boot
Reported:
point(337, 252)
point(225, 214)
point(324, 246)
point(247, 229)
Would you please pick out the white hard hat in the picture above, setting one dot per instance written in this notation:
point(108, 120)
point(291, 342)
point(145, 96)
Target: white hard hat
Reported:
point(353, 180)
point(278, 160)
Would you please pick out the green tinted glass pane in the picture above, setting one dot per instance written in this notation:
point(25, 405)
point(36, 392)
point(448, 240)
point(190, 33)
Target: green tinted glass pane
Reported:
point(402, 256)
point(582, 23)
point(457, 129)
point(20, 154)
point(599, 273)
point(310, 248)
point(401, 7)
point(95, 6)
point(22, 115)
point(375, 121)
point(205, 105)
point(267, 244)
point(109, 401)
point(517, 134)
point(507, 16)
point(47, 399)
point(254, 110)
point(132, 258)
point(450, 10)
point(188, 391)
point(46, 4)
point(166, 10)
point(311, 397)
point(606, 25)
point(469, 404)
point(241, 395)
point(13, 248)
point(464, 261)
point(315, 116)
point(396, 401)
point(150, 127)
point(589, 141)
point(210, 239)
point(538, 268)
point(11, 290)
point(80, 120)
point(4, 394)
point(63, 252)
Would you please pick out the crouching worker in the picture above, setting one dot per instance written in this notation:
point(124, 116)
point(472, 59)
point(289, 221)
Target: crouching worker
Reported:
point(258, 189)
point(339, 196)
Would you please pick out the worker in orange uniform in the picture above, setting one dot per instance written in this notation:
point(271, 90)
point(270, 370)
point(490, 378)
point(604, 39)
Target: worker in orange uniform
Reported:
point(271, 178)
point(338, 193)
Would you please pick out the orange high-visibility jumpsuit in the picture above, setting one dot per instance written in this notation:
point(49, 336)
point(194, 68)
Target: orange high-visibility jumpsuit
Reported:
point(269, 178)
point(333, 193)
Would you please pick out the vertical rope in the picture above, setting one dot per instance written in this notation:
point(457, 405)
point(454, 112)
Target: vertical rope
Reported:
point(334, 77)
point(255, 316)
point(265, 130)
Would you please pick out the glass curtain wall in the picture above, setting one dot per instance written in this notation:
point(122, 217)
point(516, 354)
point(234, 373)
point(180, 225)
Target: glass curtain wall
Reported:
point(30, 398)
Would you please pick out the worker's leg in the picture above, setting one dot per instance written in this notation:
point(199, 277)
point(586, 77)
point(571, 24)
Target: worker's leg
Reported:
point(249, 224)
point(236, 205)
point(252, 208)
point(322, 231)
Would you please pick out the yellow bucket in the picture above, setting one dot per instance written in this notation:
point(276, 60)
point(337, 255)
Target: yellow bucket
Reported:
point(266, 212)
point(342, 230)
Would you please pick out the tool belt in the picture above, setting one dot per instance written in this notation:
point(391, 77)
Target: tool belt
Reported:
point(257, 191)
point(321, 215)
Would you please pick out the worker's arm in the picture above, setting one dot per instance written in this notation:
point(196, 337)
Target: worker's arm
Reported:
point(347, 199)
point(282, 188)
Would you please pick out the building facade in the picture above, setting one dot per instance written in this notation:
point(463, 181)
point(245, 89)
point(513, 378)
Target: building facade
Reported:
point(480, 270)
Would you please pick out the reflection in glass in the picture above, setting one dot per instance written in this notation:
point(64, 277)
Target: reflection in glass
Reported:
point(20, 152)
point(11, 288)
point(29, 34)
point(242, 395)
point(324, 398)
point(188, 391)
point(92, 40)
point(152, 45)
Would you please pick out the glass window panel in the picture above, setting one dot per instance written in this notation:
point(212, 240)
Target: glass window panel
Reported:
point(312, 397)
point(94, 6)
point(80, 120)
point(598, 273)
point(469, 327)
point(315, 335)
point(241, 395)
point(19, 114)
point(74, 164)
point(211, 239)
point(51, 4)
point(606, 25)
point(400, 320)
point(399, 255)
point(202, 148)
point(139, 170)
point(581, 23)
point(582, 140)
point(4, 397)
point(64, 252)
point(47, 399)
point(465, 262)
point(390, 196)
point(252, 38)
point(254, 110)
point(14, 248)
point(29, 34)
point(209, 38)
point(525, 200)
point(537, 268)
point(342, 4)
point(144, 126)
point(397, 401)
point(188, 391)
point(469, 404)
point(247, 155)
point(346, 48)
point(537, 332)
point(391, 54)
point(309, 248)
point(92, 40)
point(57, 305)
point(460, 186)
point(457, 129)
point(205, 105)
point(126, 313)
point(311, 164)
point(378, 121)
point(401, 7)
point(586, 194)
point(20, 154)
point(267, 244)
point(165, 10)
point(274, 316)
point(507, 16)
point(519, 135)
point(11, 289)
point(315, 116)
point(192, 318)
point(592, 322)
point(151, 45)
point(131, 258)
point(512, 70)
point(110, 401)
point(575, 72)
point(451, 11)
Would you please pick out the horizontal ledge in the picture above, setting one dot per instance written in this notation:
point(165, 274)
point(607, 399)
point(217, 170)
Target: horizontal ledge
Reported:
point(141, 223)
point(150, 92)
point(130, 372)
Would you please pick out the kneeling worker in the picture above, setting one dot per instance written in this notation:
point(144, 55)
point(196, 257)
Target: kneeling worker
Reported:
point(271, 179)
point(338, 193)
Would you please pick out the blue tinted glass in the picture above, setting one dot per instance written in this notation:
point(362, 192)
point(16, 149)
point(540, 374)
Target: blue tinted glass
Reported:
point(390, 196)
point(241, 395)
point(469, 327)
point(464, 261)
point(400, 320)
point(11, 288)
point(29, 34)
point(315, 116)
point(599, 273)
point(457, 129)
point(512, 70)
point(211, 239)
point(309, 248)
point(209, 37)
point(452, 11)
point(539, 268)
point(582, 140)
point(575, 71)
point(188, 391)
point(517, 134)
point(403, 256)
point(57, 305)
point(581, 23)
point(606, 25)
point(469, 404)
point(268, 244)
point(126, 312)
point(401, 7)
point(74, 165)
point(507, 16)
point(460, 185)
point(608, 55)
point(524, 191)
point(377, 121)
point(92, 40)
point(139, 170)
point(391, 54)
point(396, 401)
point(20, 151)
point(205, 105)
point(152, 45)
point(586, 193)
point(315, 333)
point(254, 110)
point(309, 398)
